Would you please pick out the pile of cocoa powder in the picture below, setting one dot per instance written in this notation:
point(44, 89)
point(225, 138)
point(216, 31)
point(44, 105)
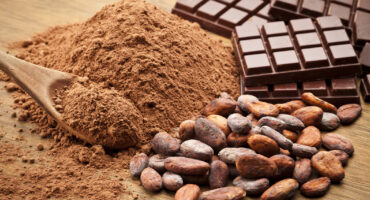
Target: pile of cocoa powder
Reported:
point(164, 65)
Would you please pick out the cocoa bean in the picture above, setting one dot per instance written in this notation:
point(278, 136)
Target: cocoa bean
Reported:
point(233, 172)
point(239, 124)
point(329, 122)
point(221, 122)
point(327, 164)
point(284, 152)
point(272, 122)
point(244, 99)
point(316, 187)
point(209, 133)
point(225, 193)
point(138, 163)
point(237, 140)
point(262, 109)
point(165, 144)
point(303, 151)
point(291, 135)
point(292, 123)
point(199, 180)
point(157, 162)
point(310, 115)
point(349, 113)
point(284, 108)
point(231, 154)
point(255, 130)
point(296, 104)
point(341, 155)
point(255, 166)
point(263, 145)
point(186, 130)
point(283, 189)
point(252, 186)
point(186, 166)
point(283, 142)
point(188, 192)
point(218, 174)
point(310, 136)
point(220, 106)
point(313, 100)
point(252, 119)
point(302, 170)
point(285, 166)
point(333, 141)
point(151, 180)
point(226, 95)
point(197, 150)
point(172, 181)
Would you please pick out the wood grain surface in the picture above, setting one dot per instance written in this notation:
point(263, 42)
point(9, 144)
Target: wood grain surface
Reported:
point(20, 19)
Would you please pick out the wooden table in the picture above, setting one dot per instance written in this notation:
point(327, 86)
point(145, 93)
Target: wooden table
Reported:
point(20, 19)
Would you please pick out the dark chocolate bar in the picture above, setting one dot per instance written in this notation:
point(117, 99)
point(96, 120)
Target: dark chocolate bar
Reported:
point(222, 16)
point(355, 14)
point(365, 87)
point(336, 91)
point(301, 51)
point(365, 59)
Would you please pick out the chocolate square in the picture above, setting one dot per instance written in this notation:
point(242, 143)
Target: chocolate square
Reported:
point(232, 17)
point(287, 4)
point(274, 29)
point(343, 12)
point(249, 5)
point(364, 5)
point(343, 87)
point(342, 54)
point(188, 5)
point(285, 90)
point(286, 60)
point(279, 43)
point(247, 31)
point(261, 91)
point(301, 25)
point(329, 22)
point(305, 40)
point(252, 46)
point(314, 57)
point(211, 10)
point(335, 37)
point(313, 7)
point(318, 88)
point(257, 64)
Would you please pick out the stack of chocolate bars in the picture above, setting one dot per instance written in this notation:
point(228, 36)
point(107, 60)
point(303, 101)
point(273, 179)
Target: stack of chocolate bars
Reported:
point(314, 48)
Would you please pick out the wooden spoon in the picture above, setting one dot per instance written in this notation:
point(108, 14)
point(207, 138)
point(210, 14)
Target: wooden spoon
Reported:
point(40, 83)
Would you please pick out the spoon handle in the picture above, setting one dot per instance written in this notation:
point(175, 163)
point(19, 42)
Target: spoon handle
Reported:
point(37, 81)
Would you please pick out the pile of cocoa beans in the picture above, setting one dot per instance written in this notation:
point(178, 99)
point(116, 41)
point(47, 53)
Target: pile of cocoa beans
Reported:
point(265, 149)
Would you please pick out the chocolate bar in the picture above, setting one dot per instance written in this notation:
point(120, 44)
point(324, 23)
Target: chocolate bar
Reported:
point(336, 91)
point(365, 59)
point(365, 87)
point(355, 14)
point(301, 51)
point(222, 16)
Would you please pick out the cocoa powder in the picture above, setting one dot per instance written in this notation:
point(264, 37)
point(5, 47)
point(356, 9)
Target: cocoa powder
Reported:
point(161, 63)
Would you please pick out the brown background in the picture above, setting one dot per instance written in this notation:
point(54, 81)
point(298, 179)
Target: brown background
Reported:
point(20, 19)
